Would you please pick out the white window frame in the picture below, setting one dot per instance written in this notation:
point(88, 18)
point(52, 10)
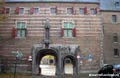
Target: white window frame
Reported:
point(83, 11)
point(23, 12)
point(50, 10)
point(93, 10)
point(68, 20)
point(25, 26)
point(38, 10)
point(66, 11)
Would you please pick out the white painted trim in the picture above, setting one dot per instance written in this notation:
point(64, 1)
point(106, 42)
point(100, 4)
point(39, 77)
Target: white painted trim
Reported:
point(23, 9)
point(79, 11)
point(50, 10)
point(68, 20)
point(66, 11)
point(20, 21)
point(38, 10)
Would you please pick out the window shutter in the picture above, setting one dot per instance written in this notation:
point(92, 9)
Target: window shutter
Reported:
point(96, 10)
point(2, 10)
point(13, 32)
point(32, 10)
point(85, 10)
point(62, 32)
point(74, 32)
point(56, 9)
point(17, 10)
point(72, 10)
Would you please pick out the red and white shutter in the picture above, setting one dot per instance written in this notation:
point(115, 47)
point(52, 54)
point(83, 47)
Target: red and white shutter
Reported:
point(72, 10)
point(62, 32)
point(17, 10)
point(13, 32)
point(2, 10)
point(85, 10)
point(96, 10)
point(74, 32)
point(31, 10)
point(56, 9)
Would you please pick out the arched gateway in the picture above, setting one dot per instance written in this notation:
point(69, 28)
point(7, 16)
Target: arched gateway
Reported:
point(60, 52)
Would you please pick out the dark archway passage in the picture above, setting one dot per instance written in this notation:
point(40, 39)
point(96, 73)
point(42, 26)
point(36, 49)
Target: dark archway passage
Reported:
point(43, 53)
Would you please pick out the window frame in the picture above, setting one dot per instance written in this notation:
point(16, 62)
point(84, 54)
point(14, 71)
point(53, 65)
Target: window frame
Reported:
point(21, 29)
point(117, 54)
point(82, 10)
point(67, 10)
point(23, 10)
point(114, 19)
point(38, 11)
point(117, 4)
point(115, 37)
point(68, 29)
point(50, 11)
point(92, 10)
point(9, 10)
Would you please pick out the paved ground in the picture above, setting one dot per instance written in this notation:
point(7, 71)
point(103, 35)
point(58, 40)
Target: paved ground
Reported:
point(30, 76)
point(46, 70)
point(50, 69)
point(66, 76)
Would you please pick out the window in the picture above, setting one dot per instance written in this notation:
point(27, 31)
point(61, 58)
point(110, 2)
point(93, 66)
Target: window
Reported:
point(7, 10)
point(114, 18)
point(69, 11)
point(68, 29)
point(52, 10)
point(116, 52)
point(115, 37)
point(21, 29)
point(36, 11)
point(117, 4)
point(81, 11)
point(21, 12)
point(92, 11)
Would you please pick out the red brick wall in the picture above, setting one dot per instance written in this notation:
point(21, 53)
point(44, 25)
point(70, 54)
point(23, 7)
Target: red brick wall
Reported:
point(88, 30)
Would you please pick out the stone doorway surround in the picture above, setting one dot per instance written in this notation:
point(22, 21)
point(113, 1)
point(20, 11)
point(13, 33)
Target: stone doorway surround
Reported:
point(60, 52)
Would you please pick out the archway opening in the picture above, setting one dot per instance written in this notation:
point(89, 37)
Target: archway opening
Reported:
point(47, 65)
point(69, 64)
point(47, 62)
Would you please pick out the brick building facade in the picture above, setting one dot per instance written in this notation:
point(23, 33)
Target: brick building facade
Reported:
point(111, 30)
point(71, 22)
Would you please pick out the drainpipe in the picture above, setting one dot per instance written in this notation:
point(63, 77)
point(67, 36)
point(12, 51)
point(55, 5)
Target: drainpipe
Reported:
point(102, 43)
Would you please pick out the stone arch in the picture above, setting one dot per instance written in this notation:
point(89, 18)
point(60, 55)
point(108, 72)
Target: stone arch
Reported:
point(38, 54)
point(73, 60)
point(71, 57)
point(44, 52)
point(60, 52)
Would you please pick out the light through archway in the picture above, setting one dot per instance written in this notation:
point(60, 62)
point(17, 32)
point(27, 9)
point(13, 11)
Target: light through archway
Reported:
point(69, 64)
point(46, 60)
point(47, 65)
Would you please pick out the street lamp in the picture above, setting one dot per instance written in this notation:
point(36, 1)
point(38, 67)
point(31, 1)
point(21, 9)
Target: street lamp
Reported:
point(19, 56)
